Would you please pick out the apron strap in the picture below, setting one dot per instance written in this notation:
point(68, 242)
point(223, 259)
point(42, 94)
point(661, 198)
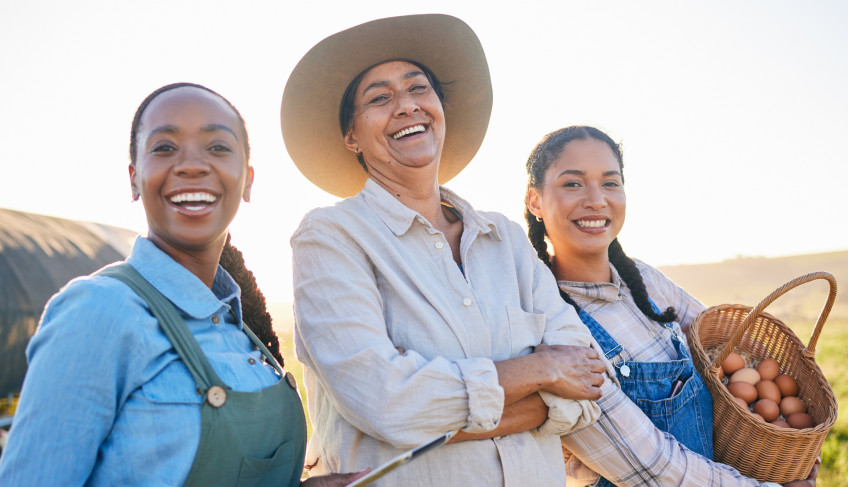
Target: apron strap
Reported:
point(172, 324)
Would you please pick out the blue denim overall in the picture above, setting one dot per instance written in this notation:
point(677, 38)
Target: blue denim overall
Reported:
point(687, 415)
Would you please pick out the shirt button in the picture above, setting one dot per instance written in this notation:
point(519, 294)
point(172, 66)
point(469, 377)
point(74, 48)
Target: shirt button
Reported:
point(215, 320)
point(466, 302)
point(439, 245)
point(251, 361)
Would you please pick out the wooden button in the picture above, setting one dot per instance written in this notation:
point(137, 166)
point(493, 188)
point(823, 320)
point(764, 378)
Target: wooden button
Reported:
point(215, 320)
point(251, 361)
point(216, 396)
point(290, 379)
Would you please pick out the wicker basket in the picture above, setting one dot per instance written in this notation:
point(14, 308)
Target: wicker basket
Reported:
point(758, 449)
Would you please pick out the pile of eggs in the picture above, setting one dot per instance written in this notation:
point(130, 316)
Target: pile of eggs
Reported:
point(768, 394)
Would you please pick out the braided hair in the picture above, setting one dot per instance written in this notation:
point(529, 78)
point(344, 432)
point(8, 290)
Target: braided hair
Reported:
point(543, 155)
point(254, 308)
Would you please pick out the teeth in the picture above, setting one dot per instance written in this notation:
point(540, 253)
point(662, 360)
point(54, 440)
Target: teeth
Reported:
point(410, 130)
point(591, 223)
point(193, 198)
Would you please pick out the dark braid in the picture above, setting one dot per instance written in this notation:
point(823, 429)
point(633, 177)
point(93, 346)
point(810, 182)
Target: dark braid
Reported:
point(536, 233)
point(545, 153)
point(254, 308)
point(630, 275)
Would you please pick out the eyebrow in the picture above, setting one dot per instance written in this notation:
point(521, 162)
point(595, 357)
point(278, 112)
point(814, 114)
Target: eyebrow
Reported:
point(579, 172)
point(212, 127)
point(379, 84)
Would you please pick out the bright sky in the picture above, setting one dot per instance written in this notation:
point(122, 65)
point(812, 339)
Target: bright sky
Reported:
point(733, 114)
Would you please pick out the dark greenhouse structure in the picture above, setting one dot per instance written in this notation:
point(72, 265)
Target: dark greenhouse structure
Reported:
point(38, 255)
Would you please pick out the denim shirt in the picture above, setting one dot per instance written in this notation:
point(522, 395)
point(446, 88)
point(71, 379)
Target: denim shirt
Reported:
point(106, 400)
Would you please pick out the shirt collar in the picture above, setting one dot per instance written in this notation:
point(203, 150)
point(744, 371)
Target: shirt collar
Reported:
point(399, 218)
point(591, 291)
point(185, 290)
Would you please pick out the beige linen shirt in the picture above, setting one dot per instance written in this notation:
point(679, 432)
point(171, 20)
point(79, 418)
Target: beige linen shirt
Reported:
point(623, 444)
point(370, 275)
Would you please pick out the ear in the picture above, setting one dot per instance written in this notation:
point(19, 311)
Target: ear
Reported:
point(533, 201)
point(248, 184)
point(351, 143)
point(136, 193)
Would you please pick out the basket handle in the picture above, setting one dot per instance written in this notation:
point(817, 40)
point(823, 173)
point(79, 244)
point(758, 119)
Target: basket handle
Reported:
point(810, 350)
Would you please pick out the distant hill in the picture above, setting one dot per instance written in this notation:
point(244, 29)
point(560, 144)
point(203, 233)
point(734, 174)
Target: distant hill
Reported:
point(744, 280)
point(747, 280)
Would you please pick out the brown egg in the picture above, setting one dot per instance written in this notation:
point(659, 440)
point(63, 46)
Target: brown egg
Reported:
point(782, 424)
point(720, 373)
point(787, 385)
point(751, 376)
point(757, 416)
point(767, 408)
point(768, 369)
point(800, 421)
point(767, 389)
point(744, 391)
point(790, 405)
point(732, 363)
point(740, 402)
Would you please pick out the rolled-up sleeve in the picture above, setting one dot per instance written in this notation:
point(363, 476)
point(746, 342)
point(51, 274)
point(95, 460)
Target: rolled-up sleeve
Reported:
point(563, 327)
point(341, 336)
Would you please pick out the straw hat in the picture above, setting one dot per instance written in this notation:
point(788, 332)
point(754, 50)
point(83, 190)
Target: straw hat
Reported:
point(313, 94)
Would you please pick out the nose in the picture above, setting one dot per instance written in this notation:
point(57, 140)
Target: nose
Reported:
point(594, 199)
point(192, 163)
point(406, 104)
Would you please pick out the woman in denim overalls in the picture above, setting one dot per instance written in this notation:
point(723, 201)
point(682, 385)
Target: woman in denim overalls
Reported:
point(576, 198)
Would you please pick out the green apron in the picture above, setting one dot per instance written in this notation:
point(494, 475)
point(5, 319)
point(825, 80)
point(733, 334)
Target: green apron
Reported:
point(246, 438)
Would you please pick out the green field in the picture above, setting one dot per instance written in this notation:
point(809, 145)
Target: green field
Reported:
point(746, 281)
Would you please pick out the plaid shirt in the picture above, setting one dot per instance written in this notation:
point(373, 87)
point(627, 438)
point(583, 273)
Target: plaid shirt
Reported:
point(623, 445)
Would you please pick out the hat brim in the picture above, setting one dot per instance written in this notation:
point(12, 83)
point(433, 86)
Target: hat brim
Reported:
point(310, 109)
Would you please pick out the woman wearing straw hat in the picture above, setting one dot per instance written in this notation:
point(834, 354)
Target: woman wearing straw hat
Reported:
point(417, 315)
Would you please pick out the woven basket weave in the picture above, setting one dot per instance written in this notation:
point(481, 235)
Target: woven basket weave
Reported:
point(758, 449)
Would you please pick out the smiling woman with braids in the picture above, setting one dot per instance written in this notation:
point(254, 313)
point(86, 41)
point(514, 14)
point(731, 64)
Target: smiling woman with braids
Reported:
point(143, 373)
point(575, 199)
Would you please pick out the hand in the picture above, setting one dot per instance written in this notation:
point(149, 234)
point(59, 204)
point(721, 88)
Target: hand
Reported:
point(810, 481)
point(578, 372)
point(334, 479)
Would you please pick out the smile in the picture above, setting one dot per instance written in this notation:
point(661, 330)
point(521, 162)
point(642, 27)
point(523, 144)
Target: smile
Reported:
point(193, 201)
point(415, 129)
point(592, 223)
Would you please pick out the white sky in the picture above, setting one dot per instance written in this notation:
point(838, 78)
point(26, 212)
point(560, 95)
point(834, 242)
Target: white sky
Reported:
point(733, 114)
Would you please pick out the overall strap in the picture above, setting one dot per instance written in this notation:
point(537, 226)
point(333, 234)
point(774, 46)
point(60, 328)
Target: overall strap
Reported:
point(675, 338)
point(610, 347)
point(172, 324)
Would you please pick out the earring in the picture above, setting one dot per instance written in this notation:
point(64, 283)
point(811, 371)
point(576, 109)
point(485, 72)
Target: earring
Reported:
point(539, 219)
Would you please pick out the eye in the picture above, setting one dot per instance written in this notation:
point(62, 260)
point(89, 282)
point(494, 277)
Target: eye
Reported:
point(418, 88)
point(612, 184)
point(220, 148)
point(164, 147)
point(571, 184)
point(379, 100)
